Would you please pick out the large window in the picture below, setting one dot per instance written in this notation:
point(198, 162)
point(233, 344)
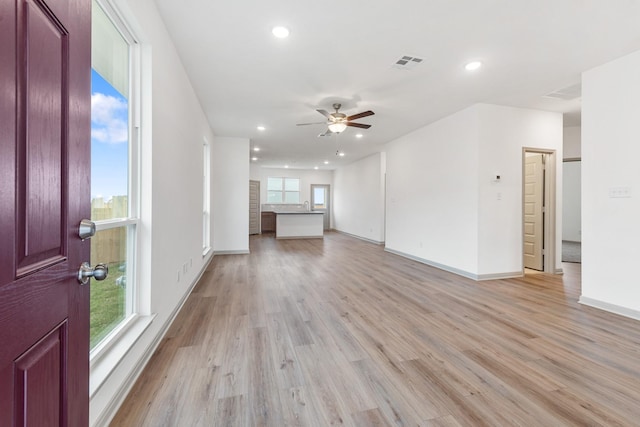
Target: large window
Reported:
point(283, 190)
point(114, 175)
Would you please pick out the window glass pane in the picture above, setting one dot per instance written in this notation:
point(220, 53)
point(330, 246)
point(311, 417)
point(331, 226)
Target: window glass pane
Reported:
point(109, 150)
point(111, 174)
point(108, 297)
point(109, 50)
point(274, 184)
point(292, 197)
point(291, 184)
point(318, 198)
point(274, 197)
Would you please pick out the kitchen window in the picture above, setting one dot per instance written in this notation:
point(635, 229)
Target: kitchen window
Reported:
point(283, 190)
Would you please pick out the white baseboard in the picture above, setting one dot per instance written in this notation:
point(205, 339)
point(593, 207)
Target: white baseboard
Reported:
point(118, 398)
point(434, 264)
point(611, 308)
point(377, 242)
point(497, 276)
point(238, 252)
point(473, 276)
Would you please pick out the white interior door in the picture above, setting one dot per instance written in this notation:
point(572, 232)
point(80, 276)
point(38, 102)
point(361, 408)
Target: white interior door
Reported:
point(254, 207)
point(320, 201)
point(534, 211)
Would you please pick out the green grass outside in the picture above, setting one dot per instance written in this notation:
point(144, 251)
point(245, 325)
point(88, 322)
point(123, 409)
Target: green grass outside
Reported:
point(107, 305)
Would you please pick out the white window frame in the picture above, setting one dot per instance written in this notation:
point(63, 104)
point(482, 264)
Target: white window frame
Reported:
point(206, 198)
point(105, 356)
point(282, 190)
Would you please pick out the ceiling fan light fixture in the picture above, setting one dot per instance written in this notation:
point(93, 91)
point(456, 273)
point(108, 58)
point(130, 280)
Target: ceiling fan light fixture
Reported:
point(473, 65)
point(280, 32)
point(337, 127)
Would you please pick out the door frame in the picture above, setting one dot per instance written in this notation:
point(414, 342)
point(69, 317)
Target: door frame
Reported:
point(550, 212)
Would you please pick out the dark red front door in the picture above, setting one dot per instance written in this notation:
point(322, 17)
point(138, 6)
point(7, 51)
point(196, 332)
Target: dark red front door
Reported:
point(44, 193)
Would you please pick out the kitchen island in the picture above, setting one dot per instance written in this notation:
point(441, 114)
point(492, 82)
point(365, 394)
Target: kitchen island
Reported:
point(299, 225)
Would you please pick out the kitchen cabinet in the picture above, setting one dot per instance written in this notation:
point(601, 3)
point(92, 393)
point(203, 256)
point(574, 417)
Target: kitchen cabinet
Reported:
point(268, 221)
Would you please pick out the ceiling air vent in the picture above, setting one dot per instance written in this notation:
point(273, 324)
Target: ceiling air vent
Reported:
point(407, 62)
point(567, 94)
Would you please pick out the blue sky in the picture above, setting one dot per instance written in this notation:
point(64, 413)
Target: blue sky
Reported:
point(109, 139)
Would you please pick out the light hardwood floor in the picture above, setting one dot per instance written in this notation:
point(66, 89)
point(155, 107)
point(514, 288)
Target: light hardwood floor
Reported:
point(339, 332)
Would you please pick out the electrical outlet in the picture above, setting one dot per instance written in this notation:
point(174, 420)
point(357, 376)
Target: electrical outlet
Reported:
point(619, 192)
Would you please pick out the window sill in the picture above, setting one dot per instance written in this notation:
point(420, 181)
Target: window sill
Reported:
point(108, 354)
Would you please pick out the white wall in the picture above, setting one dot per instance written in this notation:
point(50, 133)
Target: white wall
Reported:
point(571, 202)
point(572, 185)
point(230, 195)
point(503, 133)
point(572, 142)
point(432, 193)
point(359, 198)
point(173, 130)
point(610, 149)
point(442, 204)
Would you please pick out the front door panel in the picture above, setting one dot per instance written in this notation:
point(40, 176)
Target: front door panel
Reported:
point(45, 136)
point(43, 70)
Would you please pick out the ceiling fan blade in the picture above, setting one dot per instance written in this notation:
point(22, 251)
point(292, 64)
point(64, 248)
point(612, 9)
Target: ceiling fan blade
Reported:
point(324, 113)
point(315, 123)
point(358, 125)
point(360, 115)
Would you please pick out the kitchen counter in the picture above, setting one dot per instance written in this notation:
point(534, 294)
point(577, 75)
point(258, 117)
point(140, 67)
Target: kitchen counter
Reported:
point(299, 225)
point(298, 213)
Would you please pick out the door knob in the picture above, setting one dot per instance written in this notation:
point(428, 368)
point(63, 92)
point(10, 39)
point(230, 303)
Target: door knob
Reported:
point(99, 272)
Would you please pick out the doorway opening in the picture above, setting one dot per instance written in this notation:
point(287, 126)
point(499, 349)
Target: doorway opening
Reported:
point(538, 211)
point(571, 211)
point(321, 202)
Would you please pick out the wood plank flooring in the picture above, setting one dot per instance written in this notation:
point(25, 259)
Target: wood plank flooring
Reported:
point(339, 332)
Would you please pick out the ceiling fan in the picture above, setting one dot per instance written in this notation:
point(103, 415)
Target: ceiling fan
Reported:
point(338, 122)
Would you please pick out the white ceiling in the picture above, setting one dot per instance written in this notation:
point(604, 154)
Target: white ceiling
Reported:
point(344, 52)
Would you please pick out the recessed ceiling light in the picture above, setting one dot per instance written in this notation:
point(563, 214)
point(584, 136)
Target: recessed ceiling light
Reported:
point(254, 159)
point(341, 154)
point(286, 166)
point(256, 148)
point(315, 167)
point(359, 135)
point(473, 65)
point(261, 128)
point(280, 32)
point(326, 162)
